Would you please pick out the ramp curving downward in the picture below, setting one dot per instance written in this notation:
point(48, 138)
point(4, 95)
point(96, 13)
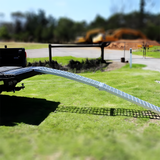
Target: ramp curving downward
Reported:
point(91, 82)
point(100, 86)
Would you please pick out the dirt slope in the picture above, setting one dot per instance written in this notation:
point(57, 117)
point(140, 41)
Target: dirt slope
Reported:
point(131, 44)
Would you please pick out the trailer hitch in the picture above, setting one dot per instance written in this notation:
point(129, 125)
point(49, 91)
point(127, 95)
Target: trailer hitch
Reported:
point(19, 88)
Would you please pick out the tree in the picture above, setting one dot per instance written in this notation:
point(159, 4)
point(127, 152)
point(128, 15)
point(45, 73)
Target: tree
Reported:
point(39, 27)
point(99, 22)
point(4, 35)
point(63, 31)
point(18, 18)
point(1, 16)
point(141, 17)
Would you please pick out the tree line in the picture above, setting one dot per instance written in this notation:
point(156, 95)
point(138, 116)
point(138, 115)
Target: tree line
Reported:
point(37, 27)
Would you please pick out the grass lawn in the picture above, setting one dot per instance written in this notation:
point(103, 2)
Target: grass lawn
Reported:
point(23, 45)
point(57, 118)
point(152, 52)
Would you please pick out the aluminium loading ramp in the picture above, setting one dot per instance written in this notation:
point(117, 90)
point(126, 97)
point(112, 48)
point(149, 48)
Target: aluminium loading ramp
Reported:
point(91, 82)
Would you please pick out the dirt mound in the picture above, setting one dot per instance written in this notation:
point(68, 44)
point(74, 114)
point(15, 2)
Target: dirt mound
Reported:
point(134, 44)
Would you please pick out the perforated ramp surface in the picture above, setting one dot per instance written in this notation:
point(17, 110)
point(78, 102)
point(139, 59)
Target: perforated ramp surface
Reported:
point(91, 82)
point(7, 68)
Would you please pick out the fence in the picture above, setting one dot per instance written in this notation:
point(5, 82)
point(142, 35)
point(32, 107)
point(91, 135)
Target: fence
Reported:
point(102, 45)
point(140, 44)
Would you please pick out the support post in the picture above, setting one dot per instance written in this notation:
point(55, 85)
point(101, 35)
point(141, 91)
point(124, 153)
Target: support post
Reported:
point(143, 49)
point(102, 45)
point(123, 58)
point(124, 49)
point(102, 53)
point(50, 53)
point(130, 58)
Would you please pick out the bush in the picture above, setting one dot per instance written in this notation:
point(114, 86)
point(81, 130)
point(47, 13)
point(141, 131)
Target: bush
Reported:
point(74, 66)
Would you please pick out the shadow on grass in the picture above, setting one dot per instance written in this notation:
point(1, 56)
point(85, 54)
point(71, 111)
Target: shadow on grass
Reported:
point(110, 112)
point(24, 110)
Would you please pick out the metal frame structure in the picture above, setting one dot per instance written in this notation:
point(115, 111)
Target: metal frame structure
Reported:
point(101, 45)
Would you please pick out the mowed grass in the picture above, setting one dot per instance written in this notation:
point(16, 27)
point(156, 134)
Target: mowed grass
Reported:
point(151, 52)
point(23, 45)
point(71, 133)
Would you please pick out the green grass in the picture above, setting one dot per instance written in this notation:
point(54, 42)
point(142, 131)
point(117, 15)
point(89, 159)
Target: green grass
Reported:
point(62, 60)
point(152, 52)
point(76, 130)
point(23, 45)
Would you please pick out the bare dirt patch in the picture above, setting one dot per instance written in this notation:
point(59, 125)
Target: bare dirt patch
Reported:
point(134, 44)
point(114, 66)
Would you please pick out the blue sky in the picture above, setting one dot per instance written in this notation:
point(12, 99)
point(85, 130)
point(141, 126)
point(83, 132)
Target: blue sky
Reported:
point(78, 10)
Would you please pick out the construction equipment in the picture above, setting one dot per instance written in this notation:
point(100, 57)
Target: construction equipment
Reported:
point(88, 38)
point(122, 33)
